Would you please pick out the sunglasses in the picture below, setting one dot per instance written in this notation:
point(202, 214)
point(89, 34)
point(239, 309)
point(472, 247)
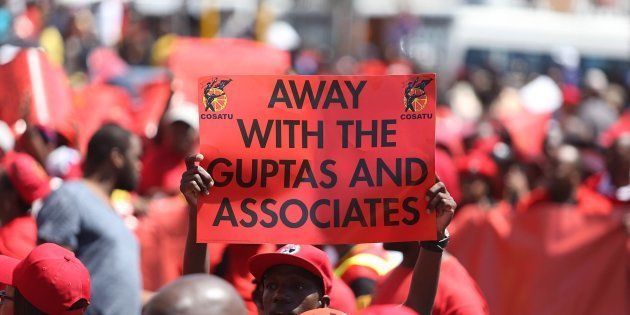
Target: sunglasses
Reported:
point(5, 297)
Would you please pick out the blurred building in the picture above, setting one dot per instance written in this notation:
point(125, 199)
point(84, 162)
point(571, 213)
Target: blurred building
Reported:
point(438, 36)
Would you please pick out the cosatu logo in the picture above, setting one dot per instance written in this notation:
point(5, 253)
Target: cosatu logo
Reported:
point(415, 97)
point(214, 97)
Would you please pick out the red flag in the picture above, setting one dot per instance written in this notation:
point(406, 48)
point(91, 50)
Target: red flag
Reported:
point(147, 114)
point(34, 89)
point(528, 132)
point(97, 104)
point(192, 58)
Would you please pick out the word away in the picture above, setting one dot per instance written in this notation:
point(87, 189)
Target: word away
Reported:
point(334, 94)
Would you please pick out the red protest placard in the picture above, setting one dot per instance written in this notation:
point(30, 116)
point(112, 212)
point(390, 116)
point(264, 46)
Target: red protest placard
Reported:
point(317, 159)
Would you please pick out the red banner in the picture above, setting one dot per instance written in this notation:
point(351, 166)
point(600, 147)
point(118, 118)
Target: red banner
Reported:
point(552, 259)
point(317, 159)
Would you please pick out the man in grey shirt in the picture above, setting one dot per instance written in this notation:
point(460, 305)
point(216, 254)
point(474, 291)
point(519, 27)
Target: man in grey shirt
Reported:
point(79, 216)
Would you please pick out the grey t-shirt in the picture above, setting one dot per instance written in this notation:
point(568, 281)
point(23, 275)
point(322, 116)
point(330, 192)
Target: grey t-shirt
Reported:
point(75, 217)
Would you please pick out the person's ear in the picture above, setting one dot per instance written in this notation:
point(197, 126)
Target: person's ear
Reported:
point(117, 158)
point(324, 301)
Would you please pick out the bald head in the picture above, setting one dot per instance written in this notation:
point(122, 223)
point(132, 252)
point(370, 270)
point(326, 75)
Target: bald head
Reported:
point(563, 172)
point(196, 295)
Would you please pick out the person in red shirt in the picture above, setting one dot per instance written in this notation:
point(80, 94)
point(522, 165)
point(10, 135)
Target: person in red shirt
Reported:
point(23, 182)
point(298, 278)
point(234, 269)
point(614, 184)
point(164, 162)
point(562, 186)
point(457, 293)
point(479, 177)
point(341, 298)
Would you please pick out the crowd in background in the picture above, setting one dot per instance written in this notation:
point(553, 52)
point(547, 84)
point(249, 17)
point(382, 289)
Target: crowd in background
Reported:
point(538, 160)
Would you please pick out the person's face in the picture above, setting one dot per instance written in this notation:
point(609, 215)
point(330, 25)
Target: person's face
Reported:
point(5, 204)
point(181, 137)
point(6, 303)
point(130, 172)
point(290, 290)
point(8, 199)
point(474, 188)
point(618, 161)
point(563, 171)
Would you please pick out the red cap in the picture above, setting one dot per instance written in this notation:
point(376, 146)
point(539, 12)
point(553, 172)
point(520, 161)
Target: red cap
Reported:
point(306, 257)
point(618, 129)
point(27, 176)
point(485, 144)
point(479, 163)
point(571, 95)
point(50, 277)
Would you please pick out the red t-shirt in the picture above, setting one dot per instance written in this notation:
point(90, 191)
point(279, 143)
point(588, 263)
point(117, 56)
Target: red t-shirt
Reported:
point(341, 297)
point(161, 170)
point(237, 271)
point(601, 184)
point(162, 237)
point(18, 237)
point(457, 292)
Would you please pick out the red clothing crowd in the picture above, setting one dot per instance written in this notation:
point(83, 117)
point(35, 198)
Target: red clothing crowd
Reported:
point(544, 195)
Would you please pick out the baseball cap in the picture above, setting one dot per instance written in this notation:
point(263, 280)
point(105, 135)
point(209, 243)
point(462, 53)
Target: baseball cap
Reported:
point(306, 257)
point(478, 163)
point(27, 176)
point(616, 131)
point(571, 95)
point(50, 277)
point(186, 113)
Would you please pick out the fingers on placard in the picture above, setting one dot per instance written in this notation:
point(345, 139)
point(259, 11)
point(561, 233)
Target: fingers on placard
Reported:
point(435, 189)
point(205, 176)
point(191, 160)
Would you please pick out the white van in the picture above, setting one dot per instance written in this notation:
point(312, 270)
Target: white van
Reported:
point(602, 40)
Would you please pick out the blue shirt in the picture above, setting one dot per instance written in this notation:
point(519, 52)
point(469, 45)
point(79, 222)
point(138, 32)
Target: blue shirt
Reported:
point(75, 217)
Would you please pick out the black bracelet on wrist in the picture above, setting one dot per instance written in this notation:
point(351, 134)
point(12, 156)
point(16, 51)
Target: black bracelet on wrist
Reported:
point(436, 246)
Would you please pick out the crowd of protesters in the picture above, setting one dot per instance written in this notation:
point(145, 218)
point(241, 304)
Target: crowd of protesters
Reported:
point(542, 195)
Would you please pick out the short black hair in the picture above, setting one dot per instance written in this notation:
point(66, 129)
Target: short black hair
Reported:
point(6, 185)
point(108, 137)
point(24, 307)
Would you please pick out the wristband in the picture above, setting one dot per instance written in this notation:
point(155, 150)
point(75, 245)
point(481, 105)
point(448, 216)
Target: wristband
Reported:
point(436, 246)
